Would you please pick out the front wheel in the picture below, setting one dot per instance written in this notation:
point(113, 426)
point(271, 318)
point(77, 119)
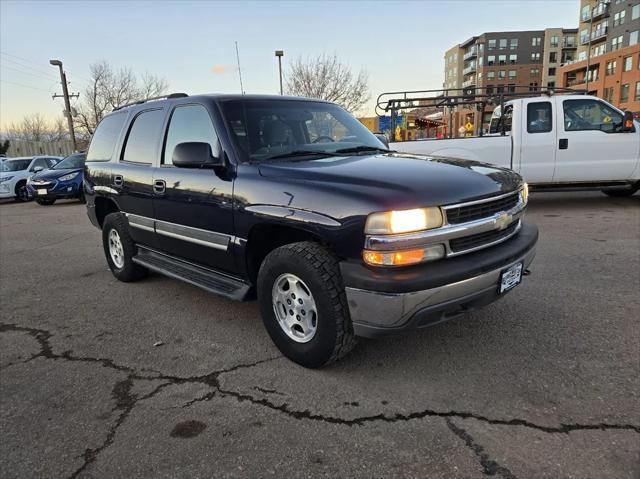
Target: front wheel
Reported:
point(303, 304)
point(45, 201)
point(119, 249)
point(622, 192)
point(21, 192)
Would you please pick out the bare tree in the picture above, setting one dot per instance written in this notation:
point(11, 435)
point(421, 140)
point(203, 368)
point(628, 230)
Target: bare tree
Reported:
point(109, 89)
point(36, 128)
point(327, 78)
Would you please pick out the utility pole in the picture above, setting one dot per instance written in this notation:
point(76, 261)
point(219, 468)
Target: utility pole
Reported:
point(280, 54)
point(586, 73)
point(67, 104)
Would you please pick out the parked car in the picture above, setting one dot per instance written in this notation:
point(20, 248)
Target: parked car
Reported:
point(63, 181)
point(15, 171)
point(294, 201)
point(559, 142)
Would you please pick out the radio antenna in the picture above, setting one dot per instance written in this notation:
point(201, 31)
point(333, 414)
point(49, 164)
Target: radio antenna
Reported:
point(239, 70)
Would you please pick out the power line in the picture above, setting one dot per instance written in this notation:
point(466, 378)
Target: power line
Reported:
point(24, 86)
point(42, 72)
point(28, 73)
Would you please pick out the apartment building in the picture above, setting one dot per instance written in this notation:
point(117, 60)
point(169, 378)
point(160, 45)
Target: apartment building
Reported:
point(560, 48)
point(608, 53)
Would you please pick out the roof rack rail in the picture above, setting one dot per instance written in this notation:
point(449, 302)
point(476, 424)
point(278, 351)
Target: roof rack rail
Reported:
point(161, 97)
point(400, 100)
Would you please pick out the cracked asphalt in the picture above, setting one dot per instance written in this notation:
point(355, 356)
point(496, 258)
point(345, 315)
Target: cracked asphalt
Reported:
point(545, 383)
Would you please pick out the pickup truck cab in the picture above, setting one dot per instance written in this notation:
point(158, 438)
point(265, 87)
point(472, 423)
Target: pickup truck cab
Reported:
point(554, 142)
point(295, 202)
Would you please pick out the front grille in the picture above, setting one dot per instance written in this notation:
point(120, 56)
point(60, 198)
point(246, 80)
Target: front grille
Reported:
point(462, 214)
point(481, 239)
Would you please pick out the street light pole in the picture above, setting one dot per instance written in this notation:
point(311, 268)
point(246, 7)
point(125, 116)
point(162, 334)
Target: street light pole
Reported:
point(280, 54)
point(67, 104)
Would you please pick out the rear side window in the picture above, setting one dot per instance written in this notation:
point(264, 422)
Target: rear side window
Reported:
point(142, 140)
point(539, 117)
point(189, 124)
point(105, 137)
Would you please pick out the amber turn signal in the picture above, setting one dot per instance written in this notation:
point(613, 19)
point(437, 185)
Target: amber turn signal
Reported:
point(403, 258)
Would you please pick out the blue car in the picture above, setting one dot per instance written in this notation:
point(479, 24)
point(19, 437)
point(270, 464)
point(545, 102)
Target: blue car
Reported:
point(64, 180)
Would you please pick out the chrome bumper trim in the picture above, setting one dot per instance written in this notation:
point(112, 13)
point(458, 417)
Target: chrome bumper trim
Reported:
point(389, 310)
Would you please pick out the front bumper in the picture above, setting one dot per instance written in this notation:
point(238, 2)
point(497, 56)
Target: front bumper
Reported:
point(55, 189)
point(386, 302)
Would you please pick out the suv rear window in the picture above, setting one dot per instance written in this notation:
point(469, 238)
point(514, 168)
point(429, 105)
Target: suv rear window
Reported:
point(105, 137)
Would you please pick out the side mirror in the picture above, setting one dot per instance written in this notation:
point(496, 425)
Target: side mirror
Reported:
point(36, 169)
point(383, 139)
point(627, 122)
point(194, 155)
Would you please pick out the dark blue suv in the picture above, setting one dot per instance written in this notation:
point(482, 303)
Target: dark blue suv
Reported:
point(64, 180)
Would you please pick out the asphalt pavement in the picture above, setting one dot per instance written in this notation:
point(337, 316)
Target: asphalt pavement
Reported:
point(160, 379)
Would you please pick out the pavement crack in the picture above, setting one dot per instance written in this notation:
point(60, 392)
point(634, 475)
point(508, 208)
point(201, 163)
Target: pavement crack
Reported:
point(489, 466)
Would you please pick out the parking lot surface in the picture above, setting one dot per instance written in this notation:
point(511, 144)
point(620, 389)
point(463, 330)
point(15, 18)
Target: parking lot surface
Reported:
point(159, 379)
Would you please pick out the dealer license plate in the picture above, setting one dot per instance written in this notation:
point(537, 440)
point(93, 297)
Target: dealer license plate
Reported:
point(510, 278)
point(42, 191)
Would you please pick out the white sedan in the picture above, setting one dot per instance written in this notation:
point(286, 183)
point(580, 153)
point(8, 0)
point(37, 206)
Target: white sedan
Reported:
point(14, 173)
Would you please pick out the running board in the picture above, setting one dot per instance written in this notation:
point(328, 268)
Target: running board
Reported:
point(199, 276)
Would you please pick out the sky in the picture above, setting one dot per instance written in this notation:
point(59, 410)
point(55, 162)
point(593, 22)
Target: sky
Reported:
point(400, 44)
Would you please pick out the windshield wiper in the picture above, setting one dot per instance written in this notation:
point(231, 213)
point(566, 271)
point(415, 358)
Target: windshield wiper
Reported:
point(358, 149)
point(296, 153)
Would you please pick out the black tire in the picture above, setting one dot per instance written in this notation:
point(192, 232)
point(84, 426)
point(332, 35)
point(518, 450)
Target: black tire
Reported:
point(318, 269)
point(45, 201)
point(21, 192)
point(82, 199)
point(128, 271)
point(622, 192)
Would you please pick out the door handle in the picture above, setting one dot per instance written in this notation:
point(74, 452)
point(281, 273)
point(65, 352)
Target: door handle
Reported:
point(118, 180)
point(563, 144)
point(159, 186)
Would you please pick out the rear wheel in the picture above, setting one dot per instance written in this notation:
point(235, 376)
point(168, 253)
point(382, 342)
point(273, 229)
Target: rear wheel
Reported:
point(622, 192)
point(45, 201)
point(119, 249)
point(21, 191)
point(303, 304)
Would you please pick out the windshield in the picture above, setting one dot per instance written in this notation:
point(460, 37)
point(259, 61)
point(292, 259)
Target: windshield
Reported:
point(15, 165)
point(70, 162)
point(264, 130)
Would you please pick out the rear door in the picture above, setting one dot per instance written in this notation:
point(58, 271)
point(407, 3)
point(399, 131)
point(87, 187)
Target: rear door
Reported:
point(537, 148)
point(132, 177)
point(193, 207)
point(591, 146)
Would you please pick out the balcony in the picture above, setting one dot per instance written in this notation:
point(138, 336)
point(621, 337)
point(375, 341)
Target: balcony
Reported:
point(596, 36)
point(601, 11)
point(470, 69)
point(471, 54)
point(569, 45)
point(467, 83)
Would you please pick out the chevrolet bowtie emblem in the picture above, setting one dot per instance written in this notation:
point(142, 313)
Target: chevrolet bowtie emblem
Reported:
point(502, 221)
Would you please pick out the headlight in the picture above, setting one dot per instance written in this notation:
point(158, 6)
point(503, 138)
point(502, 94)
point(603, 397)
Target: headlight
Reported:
point(5, 178)
point(405, 221)
point(524, 193)
point(68, 177)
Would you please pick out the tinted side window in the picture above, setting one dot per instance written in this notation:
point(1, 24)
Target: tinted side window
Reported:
point(188, 124)
point(581, 115)
point(42, 162)
point(539, 117)
point(142, 140)
point(105, 137)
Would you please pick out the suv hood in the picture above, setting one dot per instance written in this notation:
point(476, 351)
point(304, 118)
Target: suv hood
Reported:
point(404, 179)
point(53, 174)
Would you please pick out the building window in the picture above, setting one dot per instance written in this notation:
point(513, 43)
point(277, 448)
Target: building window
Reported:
point(502, 74)
point(633, 38)
point(599, 50)
point(554, 41)
point(535, 57)
point(608, 94)
point(489, 89)
point(635, 11)
point(491, 59)
point(616, 43)
point(512, 88)
point(502, 59)
point(551, 84)
point(637, 97)
point(533, 86)
point(514, 44)
point(611, 68)
point(492, 44)
point(628, 64)
point(512, 73)
point(618, 18)
point(553, 57)
point(535, 71)
point(503, 44)
point(500, 89)
point(536, 42)
point(585, 14)
point(624, 93)
point(513, 59)
point(491, 75)
point(567, 57)
point(552, 71)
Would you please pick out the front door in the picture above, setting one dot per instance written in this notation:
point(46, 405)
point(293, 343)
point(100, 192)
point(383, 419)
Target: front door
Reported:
point(193, 207)
point(591, 145)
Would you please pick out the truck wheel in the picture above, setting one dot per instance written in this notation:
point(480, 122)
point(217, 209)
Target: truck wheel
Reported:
point(303, 304)
point(21, 191)
point(620, 193)
point(119, 248)
point(45, 201)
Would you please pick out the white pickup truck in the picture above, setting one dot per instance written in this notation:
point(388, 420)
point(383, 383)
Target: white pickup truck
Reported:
point(554, 142)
